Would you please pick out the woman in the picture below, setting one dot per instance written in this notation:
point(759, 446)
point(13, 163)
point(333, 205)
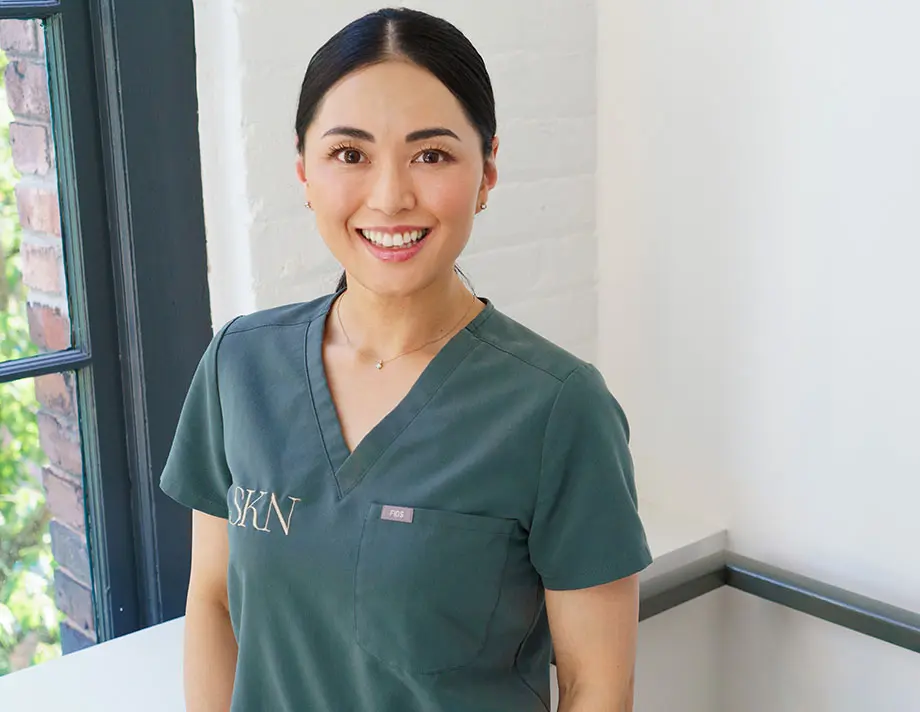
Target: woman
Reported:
point(403, 496)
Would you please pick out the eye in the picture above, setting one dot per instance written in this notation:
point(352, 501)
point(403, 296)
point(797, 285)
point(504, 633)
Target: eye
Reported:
point(433, 156)
point(349, 155)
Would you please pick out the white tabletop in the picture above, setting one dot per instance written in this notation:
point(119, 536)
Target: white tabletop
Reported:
point(142, 672)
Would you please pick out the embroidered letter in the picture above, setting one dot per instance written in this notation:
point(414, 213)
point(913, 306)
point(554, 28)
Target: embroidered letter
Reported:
point(286, 525)
point(250, 504)
point(239, 512)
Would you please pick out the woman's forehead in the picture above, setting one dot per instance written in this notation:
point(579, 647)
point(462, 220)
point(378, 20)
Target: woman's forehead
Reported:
point(394, 97)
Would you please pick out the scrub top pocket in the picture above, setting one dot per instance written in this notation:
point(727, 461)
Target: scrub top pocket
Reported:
point(426, 589)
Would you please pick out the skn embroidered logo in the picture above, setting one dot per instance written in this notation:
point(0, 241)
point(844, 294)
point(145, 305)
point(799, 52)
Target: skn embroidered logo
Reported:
point(260, 508)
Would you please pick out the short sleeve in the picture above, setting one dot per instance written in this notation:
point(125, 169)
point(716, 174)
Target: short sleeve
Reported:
point(586, 529)
point(196, 473)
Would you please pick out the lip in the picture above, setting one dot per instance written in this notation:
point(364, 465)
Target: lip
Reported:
point(395, 254)
point(396, 229)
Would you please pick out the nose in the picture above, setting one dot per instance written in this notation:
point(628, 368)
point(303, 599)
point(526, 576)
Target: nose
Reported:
point(392, 190)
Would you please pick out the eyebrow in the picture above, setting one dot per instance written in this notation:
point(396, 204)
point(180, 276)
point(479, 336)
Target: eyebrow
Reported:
point(362, 135)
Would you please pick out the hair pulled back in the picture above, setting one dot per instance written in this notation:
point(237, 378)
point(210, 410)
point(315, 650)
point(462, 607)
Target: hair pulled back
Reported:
point(410, 35)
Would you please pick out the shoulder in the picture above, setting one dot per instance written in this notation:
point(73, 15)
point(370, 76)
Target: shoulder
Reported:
point(267, 336)
point(280, 317)
point(519, 348)
point(574, 388)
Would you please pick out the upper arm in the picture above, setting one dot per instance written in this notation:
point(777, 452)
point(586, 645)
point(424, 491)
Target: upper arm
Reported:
point(587, 541)
point(586, 529)
point(594, 632)
point(210, 558)
point(196, 473)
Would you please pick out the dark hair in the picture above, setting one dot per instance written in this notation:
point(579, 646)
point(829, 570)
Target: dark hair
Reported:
point(391, 33)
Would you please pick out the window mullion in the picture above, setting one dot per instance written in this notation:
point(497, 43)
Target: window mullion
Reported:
point(28, 9)
point(107, 484)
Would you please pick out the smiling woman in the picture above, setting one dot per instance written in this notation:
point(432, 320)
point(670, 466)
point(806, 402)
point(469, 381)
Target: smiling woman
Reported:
point(411, 47)
point(405, 499)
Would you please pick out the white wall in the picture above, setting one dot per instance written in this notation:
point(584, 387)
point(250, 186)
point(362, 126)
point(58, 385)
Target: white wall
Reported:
point(679, 662)
point(778, 659)
point(759, 222)
point(680, 659)
point(533, 252)
point(730, 651)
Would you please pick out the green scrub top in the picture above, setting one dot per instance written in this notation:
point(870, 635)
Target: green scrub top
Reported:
point(409, 574)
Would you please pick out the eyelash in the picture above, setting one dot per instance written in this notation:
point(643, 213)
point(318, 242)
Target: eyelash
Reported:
point(446, 156)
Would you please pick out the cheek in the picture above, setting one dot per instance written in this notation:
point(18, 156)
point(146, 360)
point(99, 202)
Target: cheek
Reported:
point(338, 192)
point(451, 197)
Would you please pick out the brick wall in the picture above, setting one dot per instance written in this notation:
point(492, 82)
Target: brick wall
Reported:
point(42, 265)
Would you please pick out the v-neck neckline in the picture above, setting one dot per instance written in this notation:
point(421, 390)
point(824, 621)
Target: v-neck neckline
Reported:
point(349, 467)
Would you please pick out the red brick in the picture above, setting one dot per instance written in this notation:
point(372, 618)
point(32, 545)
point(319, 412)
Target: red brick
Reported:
point(41, 268)
point(18, 36)
point(27, 89)
point(39, 209)
point(73, 639)
point(55, 392)
point(60, 445)
point(70, 551)
point(74, 600)
point(31, 148)
point(49, 328)
point(64, 497)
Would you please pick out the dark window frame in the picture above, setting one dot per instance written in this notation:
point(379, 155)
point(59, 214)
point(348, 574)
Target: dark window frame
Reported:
point(124, 102)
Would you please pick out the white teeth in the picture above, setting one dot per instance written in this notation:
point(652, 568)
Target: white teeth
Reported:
point(385, 239)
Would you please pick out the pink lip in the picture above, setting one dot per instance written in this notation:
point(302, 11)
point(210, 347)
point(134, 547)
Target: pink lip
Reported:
point(395, 254)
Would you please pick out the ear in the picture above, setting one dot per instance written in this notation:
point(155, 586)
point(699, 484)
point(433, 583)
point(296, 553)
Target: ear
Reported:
point(489, 172)
point(301, 170)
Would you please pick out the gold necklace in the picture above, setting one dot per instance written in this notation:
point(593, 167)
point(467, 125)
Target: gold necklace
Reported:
point(379, 363)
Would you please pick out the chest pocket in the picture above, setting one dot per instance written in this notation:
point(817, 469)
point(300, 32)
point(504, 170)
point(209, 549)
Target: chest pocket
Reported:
point(426, 590)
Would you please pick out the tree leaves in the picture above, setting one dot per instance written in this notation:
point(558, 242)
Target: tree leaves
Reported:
point(29, 619)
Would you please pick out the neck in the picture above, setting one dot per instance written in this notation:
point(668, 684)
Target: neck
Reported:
point(381, 326)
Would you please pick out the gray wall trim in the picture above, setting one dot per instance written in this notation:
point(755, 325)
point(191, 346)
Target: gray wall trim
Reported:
point(876, 619)
point(868, 616)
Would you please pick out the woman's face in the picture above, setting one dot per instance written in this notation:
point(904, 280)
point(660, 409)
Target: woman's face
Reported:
point(391, 158)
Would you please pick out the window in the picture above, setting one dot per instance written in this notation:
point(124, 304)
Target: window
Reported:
point(104, 312)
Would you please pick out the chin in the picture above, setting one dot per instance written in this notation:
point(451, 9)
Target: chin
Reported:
point(395, 286)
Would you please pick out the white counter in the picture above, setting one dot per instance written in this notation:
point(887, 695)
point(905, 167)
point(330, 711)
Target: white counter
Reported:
point(142, 672)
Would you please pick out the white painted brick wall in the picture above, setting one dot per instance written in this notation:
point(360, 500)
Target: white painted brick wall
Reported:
point(533, 252)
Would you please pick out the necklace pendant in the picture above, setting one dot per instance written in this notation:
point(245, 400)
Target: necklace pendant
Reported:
point(378, 365)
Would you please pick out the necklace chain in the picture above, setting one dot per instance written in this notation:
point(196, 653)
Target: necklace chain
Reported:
point(379, 363)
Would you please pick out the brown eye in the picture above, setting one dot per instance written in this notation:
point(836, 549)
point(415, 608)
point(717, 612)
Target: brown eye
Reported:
point(350, 155)
point(432, 157)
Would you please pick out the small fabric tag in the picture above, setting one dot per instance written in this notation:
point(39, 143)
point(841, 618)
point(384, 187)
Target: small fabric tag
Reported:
point(397, 514)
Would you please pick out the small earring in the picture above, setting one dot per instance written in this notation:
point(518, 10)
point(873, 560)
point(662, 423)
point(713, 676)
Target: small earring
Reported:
point(483, 206)
point(308, 205)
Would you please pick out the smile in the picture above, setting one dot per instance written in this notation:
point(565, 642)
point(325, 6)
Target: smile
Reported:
point(386, 239)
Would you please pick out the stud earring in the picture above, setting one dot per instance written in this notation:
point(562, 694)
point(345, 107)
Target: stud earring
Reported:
point(483, 206)
point(308, 205)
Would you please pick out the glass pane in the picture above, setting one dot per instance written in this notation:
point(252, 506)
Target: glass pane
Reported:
point(46, 602)
point(33, 291)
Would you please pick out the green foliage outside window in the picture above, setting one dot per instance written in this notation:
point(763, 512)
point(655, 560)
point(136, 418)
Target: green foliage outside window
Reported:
point(29, 619)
